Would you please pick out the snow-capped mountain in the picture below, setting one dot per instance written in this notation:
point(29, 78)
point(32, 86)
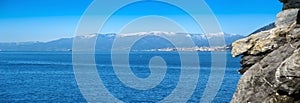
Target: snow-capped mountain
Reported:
point(147, 41)
point(157, 33)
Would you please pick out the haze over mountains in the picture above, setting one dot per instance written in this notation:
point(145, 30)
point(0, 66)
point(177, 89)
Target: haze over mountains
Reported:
point(149, 40)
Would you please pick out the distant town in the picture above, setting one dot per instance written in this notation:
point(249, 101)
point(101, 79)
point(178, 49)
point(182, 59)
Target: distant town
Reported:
point(213, 49)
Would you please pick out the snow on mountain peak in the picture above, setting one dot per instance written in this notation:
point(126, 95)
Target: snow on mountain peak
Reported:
point(88, 36)
point(160, 33)
point(147, 33)
point(216, 34)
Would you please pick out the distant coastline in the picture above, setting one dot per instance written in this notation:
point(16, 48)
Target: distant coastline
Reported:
point(198, 49)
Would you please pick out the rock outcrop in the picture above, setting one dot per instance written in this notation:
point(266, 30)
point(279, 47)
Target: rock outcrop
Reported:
point(270, 63)
point(290, 4)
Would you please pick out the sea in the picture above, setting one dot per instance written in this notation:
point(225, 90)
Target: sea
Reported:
point(49, 77)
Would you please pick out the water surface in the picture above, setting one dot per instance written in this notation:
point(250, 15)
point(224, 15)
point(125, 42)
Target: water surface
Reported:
point(49, 77)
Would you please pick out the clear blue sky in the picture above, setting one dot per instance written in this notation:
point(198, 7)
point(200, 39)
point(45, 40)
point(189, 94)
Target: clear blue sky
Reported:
point(44, 20)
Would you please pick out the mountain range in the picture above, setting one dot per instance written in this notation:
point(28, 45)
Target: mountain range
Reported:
point(104, 42)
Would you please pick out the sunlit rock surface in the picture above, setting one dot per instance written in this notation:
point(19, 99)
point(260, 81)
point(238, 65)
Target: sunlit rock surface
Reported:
point(270, 63)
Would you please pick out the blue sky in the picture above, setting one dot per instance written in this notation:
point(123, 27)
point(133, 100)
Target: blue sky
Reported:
point(44, 20)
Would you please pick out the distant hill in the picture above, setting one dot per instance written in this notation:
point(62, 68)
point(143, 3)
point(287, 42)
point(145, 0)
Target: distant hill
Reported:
point(267, 27)
point(105, 41)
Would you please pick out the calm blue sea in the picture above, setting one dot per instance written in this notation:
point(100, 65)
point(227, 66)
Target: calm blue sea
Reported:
point(49, 77)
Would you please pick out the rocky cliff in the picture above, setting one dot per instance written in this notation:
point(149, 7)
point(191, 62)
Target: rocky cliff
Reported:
point(288, 4)
point(270, 63)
